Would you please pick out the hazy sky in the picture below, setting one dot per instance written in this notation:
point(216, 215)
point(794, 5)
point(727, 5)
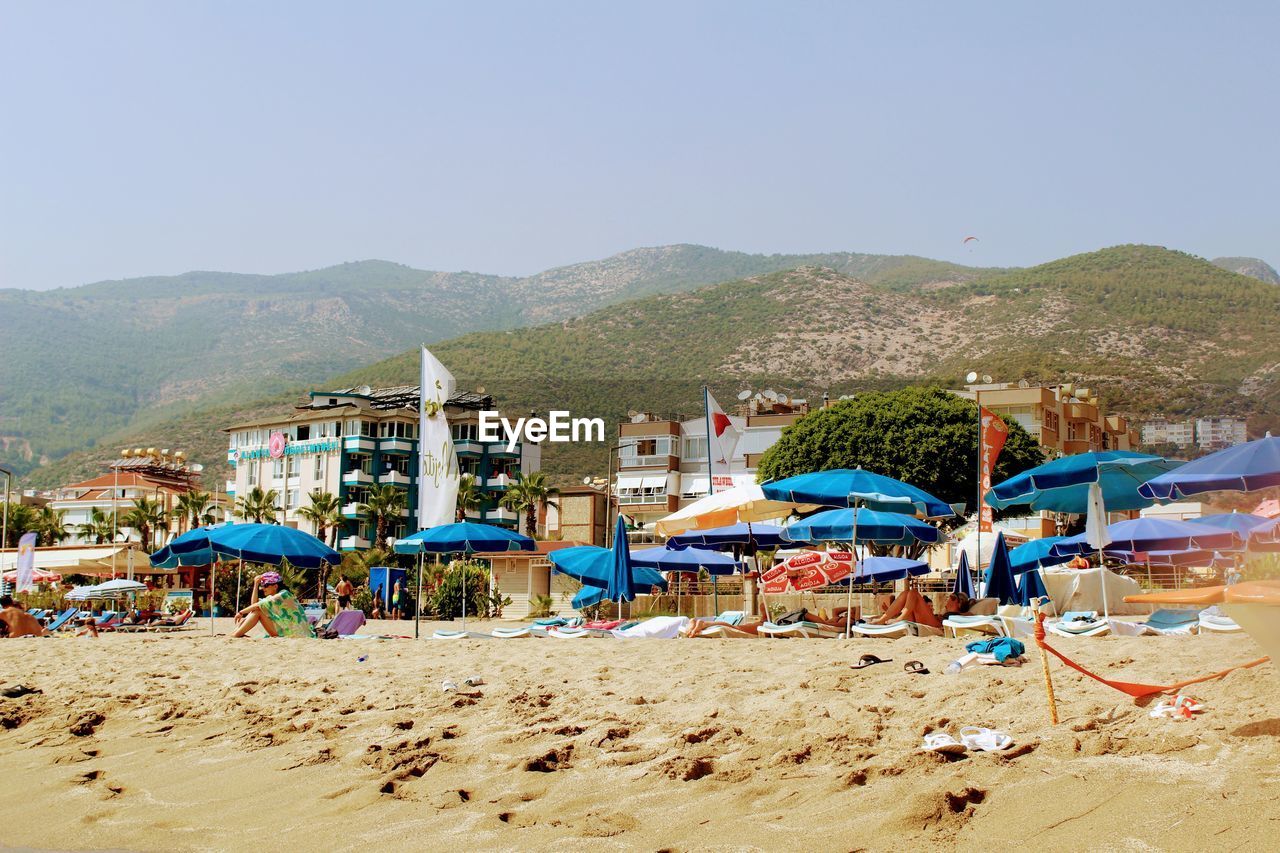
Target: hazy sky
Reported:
point(155, 138)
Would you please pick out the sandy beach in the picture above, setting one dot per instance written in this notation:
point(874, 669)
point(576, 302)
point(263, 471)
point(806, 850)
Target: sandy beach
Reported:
point(196, 743)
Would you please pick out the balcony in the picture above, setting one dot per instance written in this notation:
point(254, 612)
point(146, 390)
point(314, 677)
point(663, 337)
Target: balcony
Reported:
point(357, 443)
point(500, 449)
point(467, 447)
point(395, 478)
point(352, 510)
point(357, 477)
point(501, 514)
point(353, 543)
point(396, 445)
point(663, 460)
point(498, 482)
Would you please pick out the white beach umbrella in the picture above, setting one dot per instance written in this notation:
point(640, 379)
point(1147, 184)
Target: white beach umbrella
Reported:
point(732, 506)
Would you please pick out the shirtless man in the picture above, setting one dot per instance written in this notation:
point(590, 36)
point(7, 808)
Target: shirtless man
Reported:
point(345, 590)
point(19, 622)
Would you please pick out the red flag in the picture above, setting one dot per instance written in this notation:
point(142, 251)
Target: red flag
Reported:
point(993, 434)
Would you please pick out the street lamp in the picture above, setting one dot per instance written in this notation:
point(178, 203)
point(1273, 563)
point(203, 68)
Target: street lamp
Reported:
point(972, 378)
point(613, 502)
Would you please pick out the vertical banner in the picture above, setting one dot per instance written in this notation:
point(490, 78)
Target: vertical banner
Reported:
point(994, 432)
point(722, 439)
point(437, 464)
point(26, 563)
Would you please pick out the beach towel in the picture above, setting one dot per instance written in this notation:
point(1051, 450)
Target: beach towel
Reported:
point(286, 614)
point(657, 628)
point(345, 622)
point(1002, 647)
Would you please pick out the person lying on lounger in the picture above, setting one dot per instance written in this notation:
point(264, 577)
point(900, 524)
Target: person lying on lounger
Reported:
point(278, 612)
point(914, 607)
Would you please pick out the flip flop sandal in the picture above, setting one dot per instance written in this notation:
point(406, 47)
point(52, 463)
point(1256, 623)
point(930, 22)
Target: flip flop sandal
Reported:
point(1173, 710)
point(984, 740)
point(914, 667)
point(1189, 702)
point(942, 743)
point(869, 660)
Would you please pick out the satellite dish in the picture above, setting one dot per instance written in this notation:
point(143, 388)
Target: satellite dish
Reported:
point(1023, 384)
point(771, 395)
point(986, 380)
point(638, 417)
point(586, 481)
point(631, 413)
point(480, 389)
point(364, 390)
point(783, 398)
point(971, 377)
point(197, 468)
point(744, 395)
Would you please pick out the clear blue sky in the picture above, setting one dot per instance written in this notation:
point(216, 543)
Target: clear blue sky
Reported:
point(154, 138)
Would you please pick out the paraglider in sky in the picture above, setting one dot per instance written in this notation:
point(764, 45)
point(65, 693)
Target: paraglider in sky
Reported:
point(967, 239)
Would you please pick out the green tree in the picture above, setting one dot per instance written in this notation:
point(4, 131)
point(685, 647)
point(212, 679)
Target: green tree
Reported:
point(383, 505)
point(258, 506)
point(470, 498)
point(147, 516)
point(525, 493)
point(927, 437)
point(22, 519)
point(51, 524)
point(100, 527)
point(324, 512)
point(193, 509)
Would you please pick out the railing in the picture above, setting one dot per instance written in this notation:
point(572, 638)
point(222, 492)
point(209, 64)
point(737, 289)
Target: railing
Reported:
point(349, 543)
point(467, 445)
point(394, 477)
point(644, 461)
point(357, 476)
point(632, 500)
point(352, 510)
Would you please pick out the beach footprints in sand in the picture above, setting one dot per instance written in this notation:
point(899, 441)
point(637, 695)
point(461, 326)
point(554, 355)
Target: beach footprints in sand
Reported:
point(86, 723)
point(96, 779)
point(551, 761)
point(401, 763)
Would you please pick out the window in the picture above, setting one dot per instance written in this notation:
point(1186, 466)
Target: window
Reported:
point(253, 474)
point(465, 432)
point(291, 466)
point(318, 473)
point(304, 432)
point(293, 498)
point(695, 448)
point(277, 469)
point(368, 429)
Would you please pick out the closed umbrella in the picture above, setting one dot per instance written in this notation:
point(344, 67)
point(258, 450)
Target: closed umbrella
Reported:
point(1000, 581)
point(607, 569)
point(856, 487)
point(463, 537)
point(1031, 587)
point(964, 578)
point(1244, 467)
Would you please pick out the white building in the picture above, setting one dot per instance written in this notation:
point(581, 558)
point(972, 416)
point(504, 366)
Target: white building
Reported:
point(1217, 433)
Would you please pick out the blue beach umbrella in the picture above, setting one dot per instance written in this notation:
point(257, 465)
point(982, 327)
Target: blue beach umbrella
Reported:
point(1000, 580)
point(1031, 586)
point(1063, 484)
point(964, 578)
point(607, 569)
point(269, 544)
point(192, 549)
point(837, 525)
point(1243, 468)
point(1156, 534)
point(1037, 554)
point(725, 538)
point(462, 537)
point(874, 569)
point(1240, 522)
point(687, 559)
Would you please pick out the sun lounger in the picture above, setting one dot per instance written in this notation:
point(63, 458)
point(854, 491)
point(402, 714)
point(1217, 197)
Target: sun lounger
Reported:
point(892, 630)
point(62, 619)
point(992, 626)
point(511, 633)
point(806, 630)
point(657, 628)
point(1078, 623)
point(1165, 623)
point(718, 631)
point(728, 617)
point(570, 633)
point(443, 634)
point(1213, 620)
point(172, 625)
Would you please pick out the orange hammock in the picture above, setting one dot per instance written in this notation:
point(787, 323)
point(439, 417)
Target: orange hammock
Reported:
point(1133, 689)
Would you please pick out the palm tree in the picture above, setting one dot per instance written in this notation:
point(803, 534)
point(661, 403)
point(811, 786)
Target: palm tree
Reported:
point(383, 505)
point(470, 498)
point(100, 527)
point(192, 509)
point(22, 518)
point(51, 524)
point(146, 516)
point(324, 512)
point(258, 506)
point(525, 493)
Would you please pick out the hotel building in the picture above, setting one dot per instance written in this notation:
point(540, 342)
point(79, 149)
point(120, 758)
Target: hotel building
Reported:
point(1064, 419)
point(661, 463)
point(346, 441)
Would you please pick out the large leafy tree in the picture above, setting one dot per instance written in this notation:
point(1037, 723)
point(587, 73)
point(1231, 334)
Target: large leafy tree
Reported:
point(258, 505)
point(383, 506)
point(22, 519)
point(147, 516)
point(470, 498)
point(525, 493)
point(324, 512)
point(193, 509)
point(100, 527)
point(51, 525)
point(927, 437)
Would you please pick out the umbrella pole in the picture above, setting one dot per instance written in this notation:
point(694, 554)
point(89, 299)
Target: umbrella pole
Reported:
point(848, 603)
point(715, 595)
point(464, 597)
point(239, 575)
point(417, 608)
point(1102, 578)
point(213, 570)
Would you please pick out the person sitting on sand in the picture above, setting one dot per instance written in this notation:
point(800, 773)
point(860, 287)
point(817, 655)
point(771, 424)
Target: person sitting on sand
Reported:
point(88, 628)
point(278, 612)
point(18, 621)
point(913, 607)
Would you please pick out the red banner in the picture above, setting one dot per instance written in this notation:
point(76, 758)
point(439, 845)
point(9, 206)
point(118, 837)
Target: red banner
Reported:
point(993, 433)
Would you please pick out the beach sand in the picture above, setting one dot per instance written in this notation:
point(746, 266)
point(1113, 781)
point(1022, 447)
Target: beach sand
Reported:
point(185, 741)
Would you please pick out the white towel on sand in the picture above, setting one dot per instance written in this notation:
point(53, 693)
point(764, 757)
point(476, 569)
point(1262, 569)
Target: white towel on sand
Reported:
point(657, 628)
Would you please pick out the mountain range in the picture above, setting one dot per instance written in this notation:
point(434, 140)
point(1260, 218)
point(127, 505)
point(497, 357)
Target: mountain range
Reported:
point(1156, 331)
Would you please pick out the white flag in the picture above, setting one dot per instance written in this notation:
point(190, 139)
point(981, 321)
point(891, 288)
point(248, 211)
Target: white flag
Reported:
point(1095, 526)
point(438, 466)
point(26, 563)
point(722, 440)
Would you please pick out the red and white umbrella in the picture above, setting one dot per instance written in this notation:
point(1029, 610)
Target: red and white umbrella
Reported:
point(38, 576)
point(807, 570)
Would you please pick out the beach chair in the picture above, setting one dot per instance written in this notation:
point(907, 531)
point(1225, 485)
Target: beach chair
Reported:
point(176, 624)
point(991, 626)
point(720, 631)
point(518, 633)
point(445, 634)
point(1078, 623)
point(1164, 623)
point(891, 630)
point(728, 617)
point(62, 619)
point(345, 622)
point(803, 629)
point(1213, 620)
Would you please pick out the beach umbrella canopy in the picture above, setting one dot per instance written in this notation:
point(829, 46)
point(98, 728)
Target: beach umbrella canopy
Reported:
point(1063, 484)
point(746, 503)
point(463, 537)
point(837, 525)
point(1156, 534)
point(607, 569)
point(120, 585)
point(37, 576)
point(192, 549)
point(1265, 537)
point(1171, 558)
point(887, 569)
point(1242, 468)
point(79, 593)
point(1037, 554)
point(1240, 522)
point(857, 487)
point(588, 596)
point(1031, 587)
point(964, 578)
point(1000, 581)
point(724, 538)
point(270, 544)
point(686, 559)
